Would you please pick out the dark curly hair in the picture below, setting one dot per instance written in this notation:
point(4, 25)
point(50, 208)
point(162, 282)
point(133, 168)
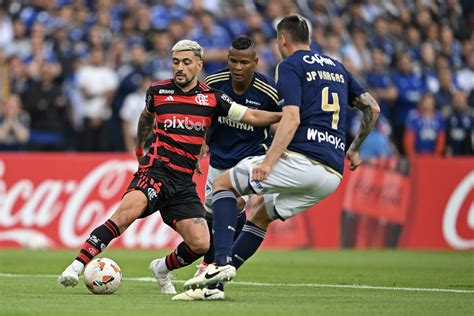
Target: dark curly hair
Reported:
point(243, 43)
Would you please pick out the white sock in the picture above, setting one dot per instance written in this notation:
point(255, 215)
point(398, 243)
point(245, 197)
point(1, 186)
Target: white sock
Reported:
point(77, 266)
point(162, 268)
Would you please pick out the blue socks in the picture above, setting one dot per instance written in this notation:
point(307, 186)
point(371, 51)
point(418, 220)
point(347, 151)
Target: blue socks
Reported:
point(224, 206)
point(241, 218)
point(247, 243)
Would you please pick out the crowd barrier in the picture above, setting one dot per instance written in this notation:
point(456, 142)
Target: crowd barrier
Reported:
point(55, 200)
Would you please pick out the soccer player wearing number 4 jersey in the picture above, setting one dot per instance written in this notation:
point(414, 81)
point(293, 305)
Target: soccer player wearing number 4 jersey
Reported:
point(306, 159)
point(181, 109)
point(230, 142)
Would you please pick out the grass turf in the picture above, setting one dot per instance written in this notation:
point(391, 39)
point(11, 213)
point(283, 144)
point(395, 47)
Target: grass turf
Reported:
point(304, 283)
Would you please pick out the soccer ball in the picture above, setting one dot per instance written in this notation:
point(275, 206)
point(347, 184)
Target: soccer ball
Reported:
point(102, 276)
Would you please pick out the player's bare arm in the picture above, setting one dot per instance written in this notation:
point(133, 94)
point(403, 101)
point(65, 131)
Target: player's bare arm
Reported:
point(145, 127)
point(202, 154)
point(260, 118)
point(283, 136)
point(370, 113)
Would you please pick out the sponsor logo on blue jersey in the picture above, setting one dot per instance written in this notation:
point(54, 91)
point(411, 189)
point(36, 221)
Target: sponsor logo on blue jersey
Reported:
point(247, 101)
point(315, 135)
point(316, 58)
point(234, 124)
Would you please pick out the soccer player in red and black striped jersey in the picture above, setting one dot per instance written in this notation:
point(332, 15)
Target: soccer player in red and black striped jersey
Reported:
point(178, 111)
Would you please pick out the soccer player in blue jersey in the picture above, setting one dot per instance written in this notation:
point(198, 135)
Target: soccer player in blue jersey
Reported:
point(306, 159)
point(230, 142)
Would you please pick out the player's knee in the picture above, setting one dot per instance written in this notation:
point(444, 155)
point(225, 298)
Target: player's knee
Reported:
point(241, 204)
point(260, 218)
point(222, 183)
point(127, 213)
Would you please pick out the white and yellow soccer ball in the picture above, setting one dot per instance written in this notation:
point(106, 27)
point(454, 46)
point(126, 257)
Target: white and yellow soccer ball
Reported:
point(102, 276)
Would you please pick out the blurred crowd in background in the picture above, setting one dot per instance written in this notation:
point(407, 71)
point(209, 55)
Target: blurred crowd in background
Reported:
point(73, 73)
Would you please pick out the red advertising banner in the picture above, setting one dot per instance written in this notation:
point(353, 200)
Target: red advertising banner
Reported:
point(379, 193)
point(55, 200)
point(442, 204)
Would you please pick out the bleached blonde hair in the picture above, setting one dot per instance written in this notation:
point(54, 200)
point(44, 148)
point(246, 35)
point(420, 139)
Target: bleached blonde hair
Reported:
point(188, 45)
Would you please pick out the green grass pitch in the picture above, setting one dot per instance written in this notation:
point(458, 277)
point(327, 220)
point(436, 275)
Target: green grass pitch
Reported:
point(303, 282)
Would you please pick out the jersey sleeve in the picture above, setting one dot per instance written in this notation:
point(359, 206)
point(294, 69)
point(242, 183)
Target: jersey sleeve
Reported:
point(354, 87)
point(288, 85)
point(149, 102)
point(273, 105)
point(224, 103)
point(228, 107)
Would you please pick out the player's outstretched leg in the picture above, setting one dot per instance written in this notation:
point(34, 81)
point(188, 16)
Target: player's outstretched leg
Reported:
point(96, 243)
point(130, 208)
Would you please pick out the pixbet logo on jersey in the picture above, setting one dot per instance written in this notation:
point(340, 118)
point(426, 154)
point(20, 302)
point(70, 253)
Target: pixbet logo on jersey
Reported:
point(185, 123)
point(314, 134)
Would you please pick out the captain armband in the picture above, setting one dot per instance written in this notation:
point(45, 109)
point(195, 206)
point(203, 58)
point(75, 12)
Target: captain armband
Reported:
point(236, 111)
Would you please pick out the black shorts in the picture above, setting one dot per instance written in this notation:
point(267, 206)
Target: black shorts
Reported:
point(176, 198)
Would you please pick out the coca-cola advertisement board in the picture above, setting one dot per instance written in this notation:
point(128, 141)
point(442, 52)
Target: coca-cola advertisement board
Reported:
point(56, 200)
point(442, 204)
point(383, 194)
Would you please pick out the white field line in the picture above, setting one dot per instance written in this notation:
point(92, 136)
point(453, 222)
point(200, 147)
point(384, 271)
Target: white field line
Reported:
point(335, 286)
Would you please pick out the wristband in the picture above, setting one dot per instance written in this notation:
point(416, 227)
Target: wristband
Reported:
point(139, 152)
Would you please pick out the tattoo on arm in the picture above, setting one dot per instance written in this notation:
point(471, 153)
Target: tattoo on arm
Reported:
point(201, 221)
point(145, 126)
point(370, 112)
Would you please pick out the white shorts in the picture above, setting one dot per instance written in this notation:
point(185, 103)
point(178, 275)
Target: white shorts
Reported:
point(213, 173)
point(295, 184)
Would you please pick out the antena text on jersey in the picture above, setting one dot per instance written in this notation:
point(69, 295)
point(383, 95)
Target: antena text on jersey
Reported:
point(185, 123)
point(311, 59)
point(314, 134)
point(244, 126)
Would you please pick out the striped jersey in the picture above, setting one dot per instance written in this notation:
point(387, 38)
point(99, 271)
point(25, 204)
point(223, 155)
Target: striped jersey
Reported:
point(181, 121)
point(230, 142)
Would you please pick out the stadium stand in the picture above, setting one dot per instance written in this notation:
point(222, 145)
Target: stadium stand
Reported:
point(399, 49)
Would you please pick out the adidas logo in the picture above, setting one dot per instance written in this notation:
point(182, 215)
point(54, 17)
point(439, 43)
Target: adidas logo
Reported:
point(169, 98)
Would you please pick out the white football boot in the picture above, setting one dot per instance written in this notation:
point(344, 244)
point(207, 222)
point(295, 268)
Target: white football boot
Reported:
point(212, 274)
point(200, 295)
point(201, 268)
point(70, 276)
point(163, 279)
